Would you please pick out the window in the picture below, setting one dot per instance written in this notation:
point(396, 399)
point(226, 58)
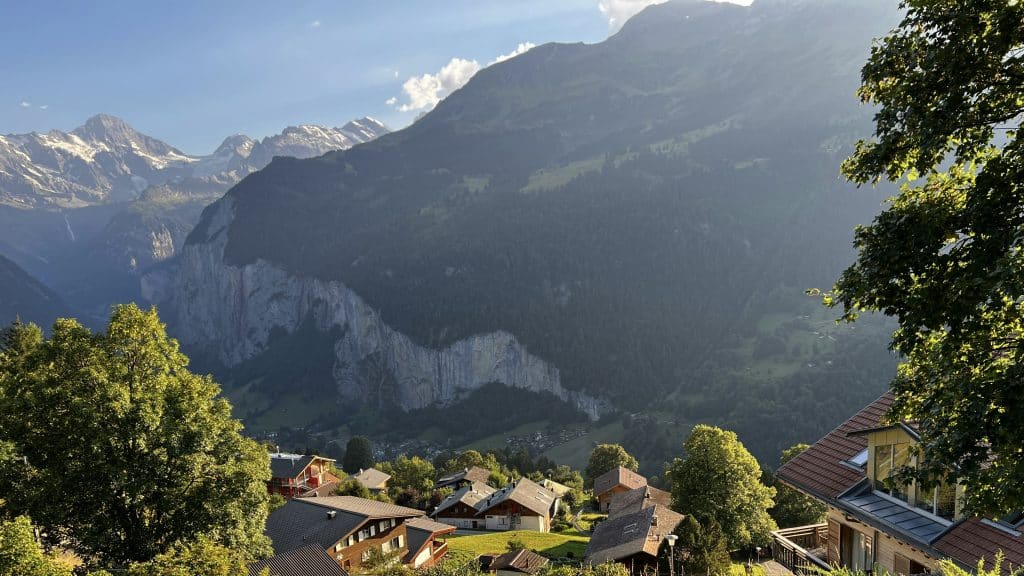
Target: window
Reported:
point(401, 541)
point(889, 459)
point(940, 500)
point(373, 530)
point(860, 459)
point(855, 549)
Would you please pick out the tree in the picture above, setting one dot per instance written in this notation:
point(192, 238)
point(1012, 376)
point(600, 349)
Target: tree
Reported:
point(415, 473)
point(792, 507)
point(358, 455)
point(702, 547)
point(606, 457)
point(515, 544)
point(20, 555)
point(719, 479)
point(142, 453)
point(353, 487)
point(204, 557)
point(944, 257)
point(471, 458)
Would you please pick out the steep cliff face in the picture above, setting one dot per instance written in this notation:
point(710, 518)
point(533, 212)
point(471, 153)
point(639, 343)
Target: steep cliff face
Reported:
point(232, 311)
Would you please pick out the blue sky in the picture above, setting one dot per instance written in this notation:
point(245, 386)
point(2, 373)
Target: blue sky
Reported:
point(191, 73)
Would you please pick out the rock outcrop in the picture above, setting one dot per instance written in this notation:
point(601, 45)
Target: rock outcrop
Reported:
point(231, 311)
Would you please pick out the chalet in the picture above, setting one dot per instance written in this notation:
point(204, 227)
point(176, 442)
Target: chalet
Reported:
point(873, 524)
point(613, 482)
point(465, 477)
point(633, 537)
point(460, 508)
point(349, 528)
point(310, 560)
point(517, 562)
point(295, 475)
point(521, 505)
point(374, 480)
point(639, 499)
point(560, 490)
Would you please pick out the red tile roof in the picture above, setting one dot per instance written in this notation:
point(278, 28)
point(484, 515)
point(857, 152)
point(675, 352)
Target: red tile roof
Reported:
point(819, 470)
point(974, 538)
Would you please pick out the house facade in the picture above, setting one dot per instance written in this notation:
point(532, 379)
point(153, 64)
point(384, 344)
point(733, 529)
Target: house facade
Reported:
point(615, 481)
point(875, 523)
point(521, 505)
point(352, 529)
point(297, 475)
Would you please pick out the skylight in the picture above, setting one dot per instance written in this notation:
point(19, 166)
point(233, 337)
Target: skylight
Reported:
point(860, 460)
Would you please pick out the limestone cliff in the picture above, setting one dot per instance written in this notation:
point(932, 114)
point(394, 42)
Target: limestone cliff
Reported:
point(231, 311)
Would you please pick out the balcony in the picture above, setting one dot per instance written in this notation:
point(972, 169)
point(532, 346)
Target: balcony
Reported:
point(802, 550)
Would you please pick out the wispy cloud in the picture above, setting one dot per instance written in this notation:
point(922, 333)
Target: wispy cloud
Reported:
point(44, 106)
point(618, 11)
point(25, 104)
point(314, 24)
point(425, 91)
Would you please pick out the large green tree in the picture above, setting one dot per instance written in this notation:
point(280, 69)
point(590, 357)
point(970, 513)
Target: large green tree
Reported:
point(123, 451)
point(702, 547)
point(945, 256)
point(605, 457)
point(407, 472)
point(358, 455)
point(20, 555)
point(719, 480)
point(792, 507)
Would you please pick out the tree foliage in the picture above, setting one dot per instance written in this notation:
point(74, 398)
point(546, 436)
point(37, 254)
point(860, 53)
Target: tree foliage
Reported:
point(20, 555)
point(606, 457)
point(415, 473)
point(702, 547)
point(718, 479)
point(125, 453)
point(358, 455)
point(204, 557)
point(792, 507)
point(945, 255)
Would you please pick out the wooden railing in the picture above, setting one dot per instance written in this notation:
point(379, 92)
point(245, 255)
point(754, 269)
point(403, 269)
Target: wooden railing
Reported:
point(791, 548)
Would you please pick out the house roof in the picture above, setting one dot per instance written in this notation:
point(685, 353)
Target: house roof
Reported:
point(893, 516)
point(418, 534)
point(310, 560)
point(975, 538)
point(370, 508)
point(474, 474)
point(559, 489)
point(618, 477)
point(301, 522)
point(288, 465)
point(470, 495)
point(626, 535)
point(525, 561)
point(637, 499)
point(524, 492)
point(821, 470)
point(372, 478)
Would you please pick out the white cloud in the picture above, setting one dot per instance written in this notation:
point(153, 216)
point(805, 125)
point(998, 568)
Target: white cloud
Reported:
point(25, 104)
point(44, 106)
point(426, 91)
point(314, 24)
point(523, 47)
point(618, 11)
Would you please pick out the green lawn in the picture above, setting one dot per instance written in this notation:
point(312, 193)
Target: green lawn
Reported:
point(552, 545)
point(738, 569)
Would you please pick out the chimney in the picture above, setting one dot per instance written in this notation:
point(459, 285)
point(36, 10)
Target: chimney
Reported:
point(654, 520)
point(331, 514)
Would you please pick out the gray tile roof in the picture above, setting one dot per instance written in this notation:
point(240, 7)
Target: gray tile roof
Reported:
point(524, 561)
point(301, 522)
point(419, 532)
point(368, 508)
point(470, 495)
point(637, 499)
point(473, 474)
point(524, 492)
point(630, 534)
point(310, 560)
point(288, 465)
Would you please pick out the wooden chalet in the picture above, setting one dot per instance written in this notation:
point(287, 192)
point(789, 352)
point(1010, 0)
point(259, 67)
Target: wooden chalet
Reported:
point(464, 477)
point(613, 482)
point(521, 505)
point(296, 475)
point(875, 525)
point(460, 508)
point(634, 533)
point(517, 563)
point(349, 528)
point(374, 480)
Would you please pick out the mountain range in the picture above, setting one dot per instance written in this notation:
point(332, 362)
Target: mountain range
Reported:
point(621, 227)
point(87, 211)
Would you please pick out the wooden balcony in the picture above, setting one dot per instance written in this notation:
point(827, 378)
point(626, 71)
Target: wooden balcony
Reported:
point(802, 550)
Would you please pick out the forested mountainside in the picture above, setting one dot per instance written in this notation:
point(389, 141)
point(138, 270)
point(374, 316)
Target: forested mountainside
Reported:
point(89, 210)
point(25, 298)
point(642, 216)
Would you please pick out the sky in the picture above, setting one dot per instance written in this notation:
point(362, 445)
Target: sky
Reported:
point(192, 73)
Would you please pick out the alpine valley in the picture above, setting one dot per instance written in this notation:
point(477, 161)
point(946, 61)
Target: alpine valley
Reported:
point(582, 231)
